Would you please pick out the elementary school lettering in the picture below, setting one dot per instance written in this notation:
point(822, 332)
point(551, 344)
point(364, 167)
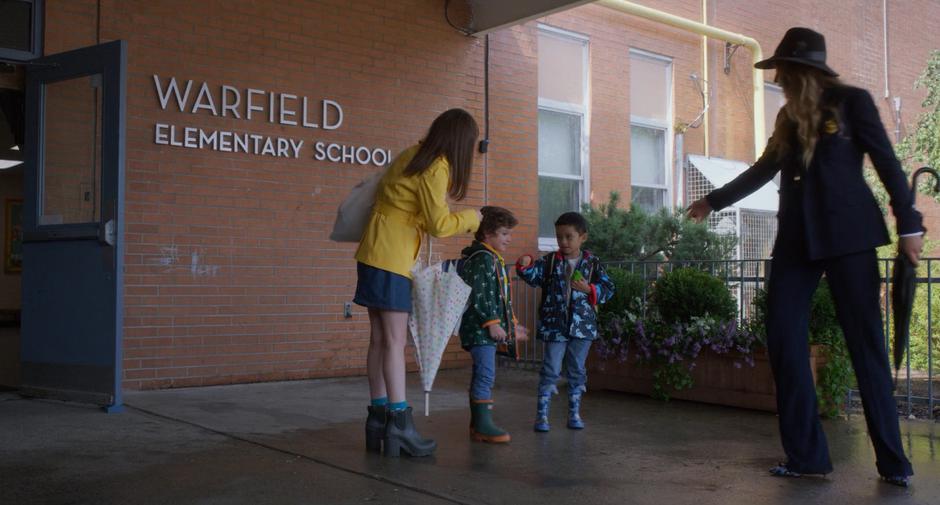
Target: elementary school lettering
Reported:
point(245, 104)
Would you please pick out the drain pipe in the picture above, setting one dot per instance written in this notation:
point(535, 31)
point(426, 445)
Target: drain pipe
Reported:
point(706, 79)
point(703, 29)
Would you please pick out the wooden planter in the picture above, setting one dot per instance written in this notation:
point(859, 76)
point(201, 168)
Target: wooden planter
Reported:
point(716, 378)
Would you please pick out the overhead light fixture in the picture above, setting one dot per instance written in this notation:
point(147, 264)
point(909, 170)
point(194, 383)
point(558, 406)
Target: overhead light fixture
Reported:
point(5, 164)
point(15, 148)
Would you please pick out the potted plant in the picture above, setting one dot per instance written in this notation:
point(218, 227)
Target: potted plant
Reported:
point(686, 343)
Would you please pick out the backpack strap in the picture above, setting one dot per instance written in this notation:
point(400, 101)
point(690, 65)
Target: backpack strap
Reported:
point(546, 278)
point(500, 281)
point(463, 261)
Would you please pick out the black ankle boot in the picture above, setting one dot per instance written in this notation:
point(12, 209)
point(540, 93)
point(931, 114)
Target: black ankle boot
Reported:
point(375, 428)
point(400, 435)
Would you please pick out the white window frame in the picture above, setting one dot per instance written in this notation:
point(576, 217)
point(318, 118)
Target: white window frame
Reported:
point(666, 126)
point(768, 87)
point(583, 110)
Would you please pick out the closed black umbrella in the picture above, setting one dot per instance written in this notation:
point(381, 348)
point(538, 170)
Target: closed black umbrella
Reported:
point(904, 283)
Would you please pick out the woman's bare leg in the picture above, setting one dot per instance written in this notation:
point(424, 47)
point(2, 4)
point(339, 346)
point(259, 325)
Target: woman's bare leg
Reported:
point(375, 361)
point(395, 333)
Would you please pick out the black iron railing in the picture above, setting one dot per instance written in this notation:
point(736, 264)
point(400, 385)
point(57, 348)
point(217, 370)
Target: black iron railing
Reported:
point(744, 279)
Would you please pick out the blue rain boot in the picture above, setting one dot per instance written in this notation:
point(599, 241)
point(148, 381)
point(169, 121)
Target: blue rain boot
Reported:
point(541, 413)
point(574, 414)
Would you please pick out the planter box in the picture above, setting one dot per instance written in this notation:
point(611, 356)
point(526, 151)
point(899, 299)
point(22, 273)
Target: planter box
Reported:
point(716, 379)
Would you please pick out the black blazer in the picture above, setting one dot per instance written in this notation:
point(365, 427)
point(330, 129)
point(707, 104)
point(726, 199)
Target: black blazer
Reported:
point(841, 214)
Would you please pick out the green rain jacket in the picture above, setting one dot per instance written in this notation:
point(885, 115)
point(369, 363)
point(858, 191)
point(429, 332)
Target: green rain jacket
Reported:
point(490, 301)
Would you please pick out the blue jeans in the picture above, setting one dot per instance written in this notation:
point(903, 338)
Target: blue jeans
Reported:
point(574, 353)
point(484, 372)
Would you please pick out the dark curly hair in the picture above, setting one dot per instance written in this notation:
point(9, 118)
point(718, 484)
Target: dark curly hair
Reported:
point(494, 218)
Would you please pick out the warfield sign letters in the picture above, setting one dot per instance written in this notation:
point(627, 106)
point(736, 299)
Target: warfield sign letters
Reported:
point(245, 104)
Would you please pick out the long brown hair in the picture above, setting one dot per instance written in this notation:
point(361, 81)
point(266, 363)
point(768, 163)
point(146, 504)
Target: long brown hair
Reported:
point(797, 128)
point(452, 135)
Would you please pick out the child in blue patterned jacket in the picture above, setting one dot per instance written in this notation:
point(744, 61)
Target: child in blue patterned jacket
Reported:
point(573, 283)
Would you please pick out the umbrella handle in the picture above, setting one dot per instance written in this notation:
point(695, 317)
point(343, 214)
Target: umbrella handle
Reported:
point(427, 397)
point(926, 170)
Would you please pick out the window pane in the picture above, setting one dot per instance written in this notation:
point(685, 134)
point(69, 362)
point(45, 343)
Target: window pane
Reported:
point(649, 199)
point(556, 196)
point(559, 143)
point(647, 155)
point(16, 25)
point(71, 161)
point(561, 68)
point(649, 87)
point(773, 101)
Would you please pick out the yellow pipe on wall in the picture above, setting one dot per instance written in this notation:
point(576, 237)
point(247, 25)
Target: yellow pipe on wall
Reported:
point(705, 80)
point(703, 29)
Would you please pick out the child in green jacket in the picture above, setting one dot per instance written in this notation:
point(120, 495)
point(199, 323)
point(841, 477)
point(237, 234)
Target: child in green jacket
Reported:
point(488, 321)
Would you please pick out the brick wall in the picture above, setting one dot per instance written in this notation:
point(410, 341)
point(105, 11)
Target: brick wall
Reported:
point(229, 273)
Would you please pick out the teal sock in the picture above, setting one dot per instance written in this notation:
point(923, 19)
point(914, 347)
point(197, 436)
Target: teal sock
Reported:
point(380, 402)
point(398, 406)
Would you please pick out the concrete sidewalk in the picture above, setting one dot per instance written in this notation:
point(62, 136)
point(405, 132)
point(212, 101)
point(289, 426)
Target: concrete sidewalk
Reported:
point(302, 442)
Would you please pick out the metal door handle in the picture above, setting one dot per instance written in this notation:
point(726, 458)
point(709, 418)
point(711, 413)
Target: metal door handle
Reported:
point(108, 233)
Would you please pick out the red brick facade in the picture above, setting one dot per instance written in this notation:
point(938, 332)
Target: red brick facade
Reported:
point(230, 276)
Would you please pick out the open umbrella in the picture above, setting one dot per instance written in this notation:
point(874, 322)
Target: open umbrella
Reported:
point(902, 290)
point(439, 297)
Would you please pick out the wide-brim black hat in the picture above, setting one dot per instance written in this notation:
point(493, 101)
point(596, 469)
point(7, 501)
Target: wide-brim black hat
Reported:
point(802, 46)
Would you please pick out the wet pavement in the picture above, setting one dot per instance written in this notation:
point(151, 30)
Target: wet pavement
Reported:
point(302, 442)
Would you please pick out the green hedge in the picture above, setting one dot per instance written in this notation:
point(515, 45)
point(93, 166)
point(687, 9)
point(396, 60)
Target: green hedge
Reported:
point(685, 293)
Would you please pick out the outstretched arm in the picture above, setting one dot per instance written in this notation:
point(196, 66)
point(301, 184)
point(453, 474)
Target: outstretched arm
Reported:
point(532, 272)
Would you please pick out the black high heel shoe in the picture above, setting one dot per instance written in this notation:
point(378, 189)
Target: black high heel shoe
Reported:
point(781, 470)
point(897, 480)
point(375, 428)
point(401, 436)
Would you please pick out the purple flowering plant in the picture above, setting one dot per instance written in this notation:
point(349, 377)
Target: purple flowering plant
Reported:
point(672, 348)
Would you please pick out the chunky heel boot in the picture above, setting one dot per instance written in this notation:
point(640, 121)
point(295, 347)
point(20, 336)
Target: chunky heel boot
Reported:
point(574, 412)
point(541, 413)
point(375, 428)
point(482, 428)
point(401, 436)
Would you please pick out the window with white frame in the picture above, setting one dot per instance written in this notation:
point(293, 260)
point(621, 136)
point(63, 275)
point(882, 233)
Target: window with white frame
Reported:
point(773, 102)
point(562, 115)
point(650, 129)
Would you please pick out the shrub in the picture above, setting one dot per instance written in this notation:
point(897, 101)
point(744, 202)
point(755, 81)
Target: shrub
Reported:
point(635, 235)
point(686, 293)
point(628, 293)
point(701, 315)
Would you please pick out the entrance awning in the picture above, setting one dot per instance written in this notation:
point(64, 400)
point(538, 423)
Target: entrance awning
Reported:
point(490, 15)
point(720, 171)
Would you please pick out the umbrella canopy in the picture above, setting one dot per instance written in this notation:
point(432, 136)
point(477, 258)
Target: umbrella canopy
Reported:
point(903, 285)
point(439, 297)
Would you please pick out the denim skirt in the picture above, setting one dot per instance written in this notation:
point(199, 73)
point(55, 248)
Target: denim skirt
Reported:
point(381, 289)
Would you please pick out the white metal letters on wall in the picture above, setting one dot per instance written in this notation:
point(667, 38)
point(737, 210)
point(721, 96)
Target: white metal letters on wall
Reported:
point(280, 108)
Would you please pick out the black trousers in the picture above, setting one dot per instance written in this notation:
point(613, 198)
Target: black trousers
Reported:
point(855, 285)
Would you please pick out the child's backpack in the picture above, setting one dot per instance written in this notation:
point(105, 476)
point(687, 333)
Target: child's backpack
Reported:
point(458, 264)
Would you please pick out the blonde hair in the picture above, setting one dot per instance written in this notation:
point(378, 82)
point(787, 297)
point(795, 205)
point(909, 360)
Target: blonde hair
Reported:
point(797, 128)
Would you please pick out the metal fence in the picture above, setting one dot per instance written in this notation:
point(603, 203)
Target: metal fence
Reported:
point(744, 278)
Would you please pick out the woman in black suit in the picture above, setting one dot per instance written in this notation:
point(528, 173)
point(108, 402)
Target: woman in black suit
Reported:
point(829, 222)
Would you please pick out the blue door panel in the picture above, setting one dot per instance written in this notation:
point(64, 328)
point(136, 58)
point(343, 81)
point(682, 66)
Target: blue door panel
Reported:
point(73, 271)
point(76, 326)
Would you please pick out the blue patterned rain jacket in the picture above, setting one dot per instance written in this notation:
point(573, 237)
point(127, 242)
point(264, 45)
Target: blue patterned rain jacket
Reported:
point(566, 313)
